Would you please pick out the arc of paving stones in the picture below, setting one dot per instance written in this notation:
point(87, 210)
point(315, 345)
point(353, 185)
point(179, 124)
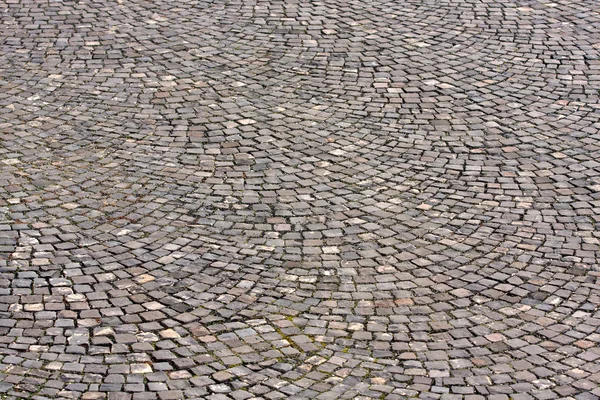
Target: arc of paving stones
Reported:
point(272, 200)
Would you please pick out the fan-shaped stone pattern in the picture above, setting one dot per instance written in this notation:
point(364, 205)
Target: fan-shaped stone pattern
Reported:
point(301, 199)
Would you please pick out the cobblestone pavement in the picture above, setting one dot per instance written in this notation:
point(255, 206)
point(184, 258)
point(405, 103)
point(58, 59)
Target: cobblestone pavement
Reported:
point(299, 199)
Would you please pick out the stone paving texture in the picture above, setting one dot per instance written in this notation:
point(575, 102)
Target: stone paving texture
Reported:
point(264, 199)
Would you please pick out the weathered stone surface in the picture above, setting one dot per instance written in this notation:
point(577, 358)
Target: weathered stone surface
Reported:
point(274, 199)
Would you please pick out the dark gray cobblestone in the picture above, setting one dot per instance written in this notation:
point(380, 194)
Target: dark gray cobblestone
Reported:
point(324, 200)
